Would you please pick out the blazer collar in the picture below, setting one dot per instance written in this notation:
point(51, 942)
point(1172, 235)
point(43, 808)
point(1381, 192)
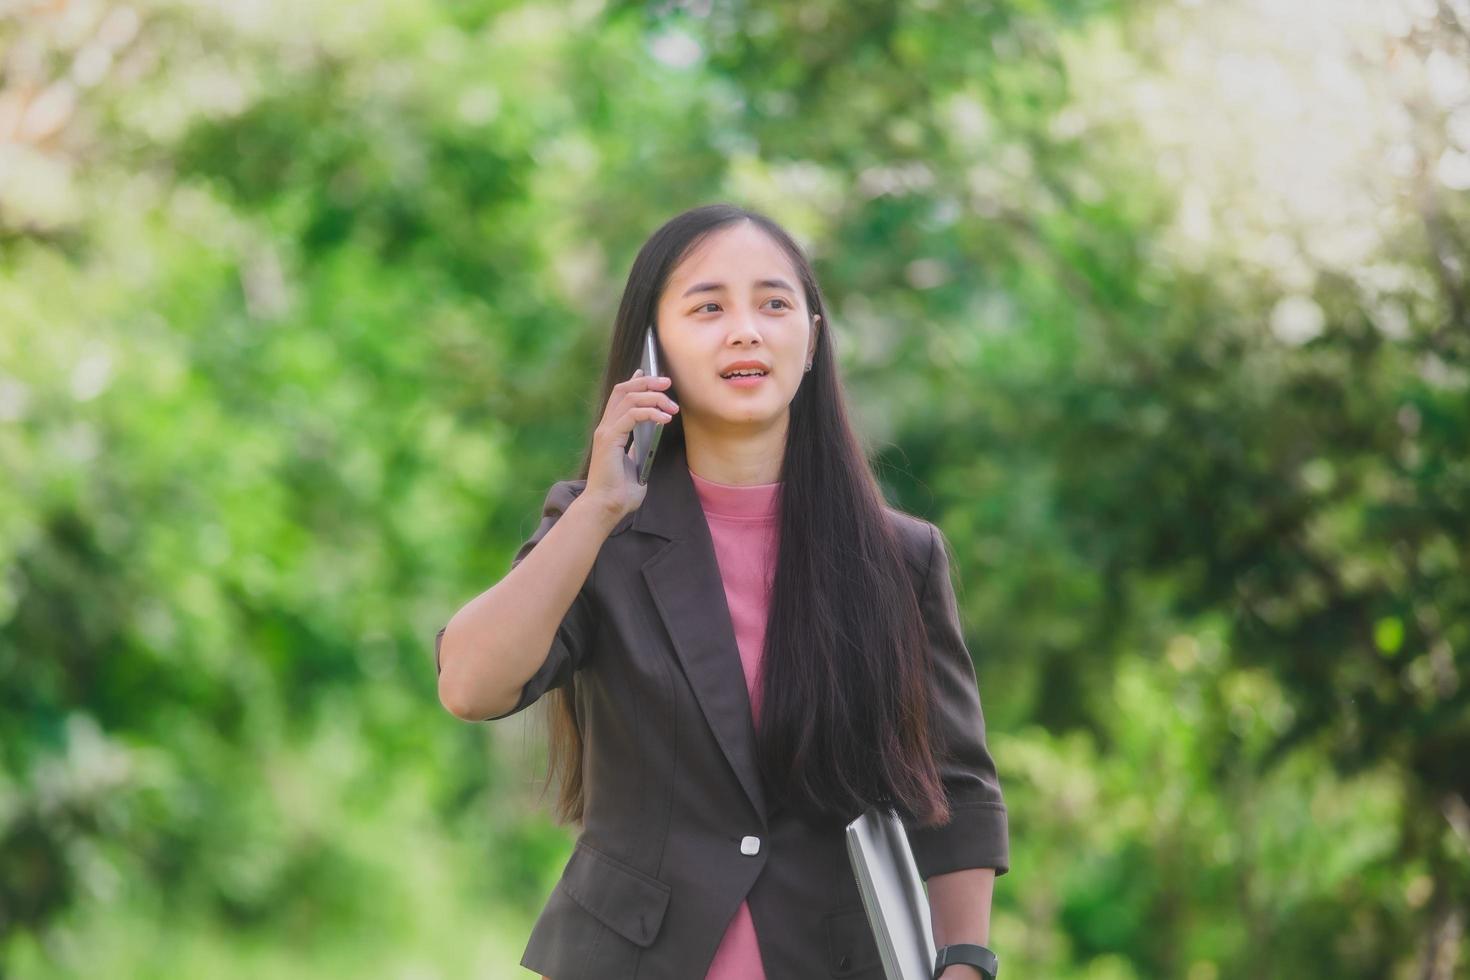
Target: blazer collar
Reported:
point(684, 579)
point(671, 507)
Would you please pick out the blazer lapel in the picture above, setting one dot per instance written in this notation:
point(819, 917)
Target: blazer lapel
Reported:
point(684, 578)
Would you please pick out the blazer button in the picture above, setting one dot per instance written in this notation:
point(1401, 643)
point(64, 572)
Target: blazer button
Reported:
point(750, 845)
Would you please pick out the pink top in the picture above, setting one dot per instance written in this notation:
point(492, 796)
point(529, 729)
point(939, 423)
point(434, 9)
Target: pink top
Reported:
point(742, 523)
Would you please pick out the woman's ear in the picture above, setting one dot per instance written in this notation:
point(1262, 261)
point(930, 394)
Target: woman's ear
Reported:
point(811, 348)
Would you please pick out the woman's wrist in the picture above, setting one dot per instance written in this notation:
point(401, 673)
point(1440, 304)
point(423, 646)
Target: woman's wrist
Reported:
point(601, 514)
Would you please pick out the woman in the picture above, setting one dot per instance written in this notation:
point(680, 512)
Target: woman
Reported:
point(740, 656)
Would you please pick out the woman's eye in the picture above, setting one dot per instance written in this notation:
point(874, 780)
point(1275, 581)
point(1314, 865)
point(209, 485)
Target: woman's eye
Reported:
point(774, 299)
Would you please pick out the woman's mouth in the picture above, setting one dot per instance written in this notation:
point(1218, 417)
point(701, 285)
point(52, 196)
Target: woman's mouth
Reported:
point(745, 379)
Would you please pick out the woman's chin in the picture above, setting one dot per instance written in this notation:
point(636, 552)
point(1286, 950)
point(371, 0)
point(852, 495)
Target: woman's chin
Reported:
point(755, 418)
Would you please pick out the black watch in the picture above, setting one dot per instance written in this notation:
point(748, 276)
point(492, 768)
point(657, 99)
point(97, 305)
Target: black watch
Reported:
point(971, 955)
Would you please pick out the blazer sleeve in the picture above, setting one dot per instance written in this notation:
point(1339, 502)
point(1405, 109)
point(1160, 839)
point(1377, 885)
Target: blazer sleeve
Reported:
point(977, 835)
point(574, 636)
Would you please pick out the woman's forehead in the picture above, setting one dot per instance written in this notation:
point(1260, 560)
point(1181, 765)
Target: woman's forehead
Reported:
point(735, 261)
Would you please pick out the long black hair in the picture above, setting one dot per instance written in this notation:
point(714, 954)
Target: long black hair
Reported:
point(844, 714)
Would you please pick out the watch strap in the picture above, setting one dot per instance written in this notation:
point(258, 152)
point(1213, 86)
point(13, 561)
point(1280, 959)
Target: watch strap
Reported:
point(971, 954)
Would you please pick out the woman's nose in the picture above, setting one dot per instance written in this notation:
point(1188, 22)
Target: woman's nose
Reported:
point(746, 329)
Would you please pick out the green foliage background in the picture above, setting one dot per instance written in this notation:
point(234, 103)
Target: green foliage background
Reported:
point(302, 307)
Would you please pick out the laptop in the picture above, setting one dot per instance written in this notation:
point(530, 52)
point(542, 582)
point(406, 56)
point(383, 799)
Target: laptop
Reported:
point(893, 893)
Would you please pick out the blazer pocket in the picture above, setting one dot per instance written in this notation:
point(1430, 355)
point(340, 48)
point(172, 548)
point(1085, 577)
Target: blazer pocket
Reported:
point(621, 897)
point(851, 949)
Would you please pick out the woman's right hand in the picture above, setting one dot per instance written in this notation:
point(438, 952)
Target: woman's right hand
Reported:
point(612, 477)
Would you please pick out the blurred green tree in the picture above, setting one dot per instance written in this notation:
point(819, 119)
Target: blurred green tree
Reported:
point(300, 310)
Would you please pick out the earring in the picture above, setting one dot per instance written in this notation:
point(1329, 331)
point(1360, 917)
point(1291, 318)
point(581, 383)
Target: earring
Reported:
point(808, 367)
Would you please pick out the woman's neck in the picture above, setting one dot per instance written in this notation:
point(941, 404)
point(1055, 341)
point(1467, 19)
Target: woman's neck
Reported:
point(745, 460)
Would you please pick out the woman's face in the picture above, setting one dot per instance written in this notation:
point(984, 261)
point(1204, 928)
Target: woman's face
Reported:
point(735, 298)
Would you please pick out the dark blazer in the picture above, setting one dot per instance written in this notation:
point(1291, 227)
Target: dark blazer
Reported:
point(674, 805)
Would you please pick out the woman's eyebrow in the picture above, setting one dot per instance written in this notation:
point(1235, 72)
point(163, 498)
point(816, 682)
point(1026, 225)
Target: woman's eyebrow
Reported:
point(716, 287)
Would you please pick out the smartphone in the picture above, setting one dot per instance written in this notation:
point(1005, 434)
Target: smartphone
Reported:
point(645, 434)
